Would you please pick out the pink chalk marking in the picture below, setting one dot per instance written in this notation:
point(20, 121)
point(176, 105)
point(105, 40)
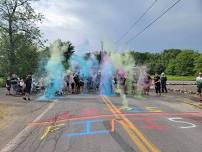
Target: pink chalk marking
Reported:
point(90, 112)
point(110, 116)
point(62, 116)
point(151, 124)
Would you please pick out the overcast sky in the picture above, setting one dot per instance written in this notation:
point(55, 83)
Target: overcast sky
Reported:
point(87, 22)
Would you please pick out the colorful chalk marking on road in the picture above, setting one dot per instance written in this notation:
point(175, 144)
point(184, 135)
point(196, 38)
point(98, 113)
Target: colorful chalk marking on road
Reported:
point(147, 118)
point(88, 124)
point(146, 109)
point(51, 129)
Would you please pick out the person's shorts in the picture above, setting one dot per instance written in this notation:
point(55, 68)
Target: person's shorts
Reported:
point(199, 89)
point(8, 88)
point(27, 90)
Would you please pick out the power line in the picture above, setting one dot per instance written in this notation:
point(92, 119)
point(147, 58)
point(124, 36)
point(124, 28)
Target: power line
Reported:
point(134, 37)
point(137, 21)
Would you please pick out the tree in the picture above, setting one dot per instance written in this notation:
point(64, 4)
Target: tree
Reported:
point(44, 55)
point(171, 67)
point(169, 54)
point(198, 63)
point(67, 53)
point(18, 17)
point(185, 63)
point(70, 50)
point(27, 57)
point(140, 58)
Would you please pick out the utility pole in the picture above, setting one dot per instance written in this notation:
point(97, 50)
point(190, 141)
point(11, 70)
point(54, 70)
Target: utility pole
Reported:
point(102, 46)
point(101, 51)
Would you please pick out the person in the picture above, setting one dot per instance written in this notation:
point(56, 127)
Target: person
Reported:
point(27, 90)
point(21, 86)
point(14, 83)
point(163, 83)
point(157, 84)
point(8, 85)
point(77, 83)
point(71, 82)
point(146, 84)
point(199, 85)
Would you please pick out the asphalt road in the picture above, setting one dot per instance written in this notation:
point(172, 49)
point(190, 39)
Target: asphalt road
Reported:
point(91, 123)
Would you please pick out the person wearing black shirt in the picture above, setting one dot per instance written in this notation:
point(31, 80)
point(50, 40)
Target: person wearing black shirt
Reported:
point(157, 84)
point(28, 85)
point(8, 86)
point(77, 82)
point(163, 83)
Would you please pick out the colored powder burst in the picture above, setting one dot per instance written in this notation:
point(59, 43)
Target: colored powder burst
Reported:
point(83, 66)
point(55, 71)
point(124, 63)
point(107, 73)
point(87, 67)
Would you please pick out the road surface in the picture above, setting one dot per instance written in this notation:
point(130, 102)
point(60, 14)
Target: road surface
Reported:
point(92, 123)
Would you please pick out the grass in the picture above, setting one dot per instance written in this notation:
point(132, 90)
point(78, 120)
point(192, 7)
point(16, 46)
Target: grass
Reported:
point(181, 78)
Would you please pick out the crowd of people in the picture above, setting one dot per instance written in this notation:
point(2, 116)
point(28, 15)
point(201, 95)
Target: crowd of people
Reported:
point(17, 86)
point(76, 84)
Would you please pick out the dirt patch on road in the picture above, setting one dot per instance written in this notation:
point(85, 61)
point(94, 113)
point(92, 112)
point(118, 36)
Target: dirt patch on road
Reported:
point(5, 111)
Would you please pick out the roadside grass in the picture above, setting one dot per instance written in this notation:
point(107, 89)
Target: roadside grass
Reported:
point(179, 78)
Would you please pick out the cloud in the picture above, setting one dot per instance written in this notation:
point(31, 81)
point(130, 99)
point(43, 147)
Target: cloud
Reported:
point(88, 22)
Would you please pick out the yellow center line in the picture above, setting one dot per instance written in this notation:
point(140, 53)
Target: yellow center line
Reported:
point(146, 141)
point(132, 135)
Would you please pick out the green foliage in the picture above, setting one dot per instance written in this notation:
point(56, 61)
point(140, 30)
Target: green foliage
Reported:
point(185, 63)
point(2, 82)
point(171, 61)
point(171, 67)
point(44, 55)
point(17, 19)
point(69, 51)
point(198, 63)
point(26, 57)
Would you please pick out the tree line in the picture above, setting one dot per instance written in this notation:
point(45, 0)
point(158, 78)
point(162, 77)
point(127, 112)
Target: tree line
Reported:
point(172, 61)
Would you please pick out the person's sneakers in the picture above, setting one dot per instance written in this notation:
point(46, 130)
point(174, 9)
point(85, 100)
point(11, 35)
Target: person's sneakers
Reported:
point(29, 99)
point(24, 98)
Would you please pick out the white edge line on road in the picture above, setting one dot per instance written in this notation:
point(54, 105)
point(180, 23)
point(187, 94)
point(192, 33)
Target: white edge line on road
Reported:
point(17, 140)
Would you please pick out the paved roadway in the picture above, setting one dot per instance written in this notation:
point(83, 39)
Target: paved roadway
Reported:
point(91, 123)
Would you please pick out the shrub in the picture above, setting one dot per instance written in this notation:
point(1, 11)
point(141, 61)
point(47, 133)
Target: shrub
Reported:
point(2, 82)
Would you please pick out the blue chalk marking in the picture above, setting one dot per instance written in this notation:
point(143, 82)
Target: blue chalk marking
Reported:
point(137, 109)
point(87, 133)
point(88, 127)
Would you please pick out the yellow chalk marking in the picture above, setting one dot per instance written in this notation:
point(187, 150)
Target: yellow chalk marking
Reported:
point(50, 129)
point(153, 109)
